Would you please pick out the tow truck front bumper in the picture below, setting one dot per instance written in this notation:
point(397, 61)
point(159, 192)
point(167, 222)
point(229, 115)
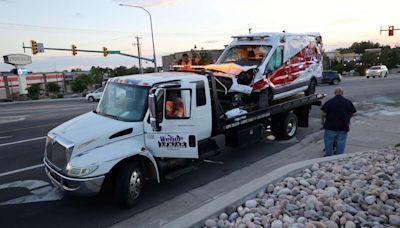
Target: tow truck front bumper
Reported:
point(74, 186)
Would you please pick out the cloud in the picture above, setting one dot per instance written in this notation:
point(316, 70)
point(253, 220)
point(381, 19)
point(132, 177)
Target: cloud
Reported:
point(148, 3)
point(78, 14)
point(211, 41)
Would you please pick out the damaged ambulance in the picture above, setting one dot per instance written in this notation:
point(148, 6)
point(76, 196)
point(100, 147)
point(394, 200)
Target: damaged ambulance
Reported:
point(257, 69)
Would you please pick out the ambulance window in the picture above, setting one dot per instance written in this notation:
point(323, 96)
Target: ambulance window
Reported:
point(276, 60)
point(177, 104)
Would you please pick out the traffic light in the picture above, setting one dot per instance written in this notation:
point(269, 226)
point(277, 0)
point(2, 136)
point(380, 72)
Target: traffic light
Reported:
point(105, 51)
point(74, 52)
point(391, 30)
point(34, 47)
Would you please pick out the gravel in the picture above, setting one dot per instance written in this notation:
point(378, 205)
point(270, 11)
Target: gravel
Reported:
point(361, 190)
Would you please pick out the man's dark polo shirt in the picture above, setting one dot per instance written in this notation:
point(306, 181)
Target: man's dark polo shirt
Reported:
point(338, 113)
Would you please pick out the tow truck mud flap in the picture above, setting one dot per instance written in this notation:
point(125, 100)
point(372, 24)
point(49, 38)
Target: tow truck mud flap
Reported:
point(244, 136)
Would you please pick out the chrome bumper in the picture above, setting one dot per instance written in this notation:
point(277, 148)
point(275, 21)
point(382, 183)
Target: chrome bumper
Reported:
point(75, 186)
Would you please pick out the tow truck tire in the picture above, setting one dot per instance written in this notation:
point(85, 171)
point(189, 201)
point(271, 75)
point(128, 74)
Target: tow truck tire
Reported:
point(129, 184)
point(311, 88)
point(284, 126)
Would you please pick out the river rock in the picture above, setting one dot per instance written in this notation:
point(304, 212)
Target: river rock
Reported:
point(211, 223)
point(331, 224)
point(277, 224)
point(233, 216)
point(223, 216)
point(269, 203)
point(370, 199)
point(394, 220)
point(251, 204)
point(350, 224)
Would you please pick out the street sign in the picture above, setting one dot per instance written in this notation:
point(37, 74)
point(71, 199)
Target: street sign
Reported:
point(40, 47)
point(114, 52)
point(22, 71)
point(17, 59)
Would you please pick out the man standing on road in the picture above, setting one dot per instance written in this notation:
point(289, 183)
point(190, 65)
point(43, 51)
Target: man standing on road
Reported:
point(335, 118)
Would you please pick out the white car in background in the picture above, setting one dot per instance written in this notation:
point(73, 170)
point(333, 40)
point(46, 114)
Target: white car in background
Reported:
point(380, 71)
point(95, 95)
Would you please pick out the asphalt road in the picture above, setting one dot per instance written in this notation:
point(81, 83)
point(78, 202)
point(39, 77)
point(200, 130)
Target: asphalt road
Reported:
point(22, 177)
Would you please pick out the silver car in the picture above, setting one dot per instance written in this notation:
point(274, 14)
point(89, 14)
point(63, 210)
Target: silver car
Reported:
point(95, 95)
point(380, 71)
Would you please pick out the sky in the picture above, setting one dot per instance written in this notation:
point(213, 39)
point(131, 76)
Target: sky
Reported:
point(178, 25)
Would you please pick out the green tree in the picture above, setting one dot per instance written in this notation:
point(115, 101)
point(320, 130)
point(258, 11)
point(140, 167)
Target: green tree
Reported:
point(359, 47)
point(326, 61)
point(78, 85)
point(53, 87)
point(368, 59)
point(34, 91)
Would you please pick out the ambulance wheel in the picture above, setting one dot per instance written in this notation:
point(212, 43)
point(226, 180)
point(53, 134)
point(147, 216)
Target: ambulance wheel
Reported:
point(311, 88)
point(129, 184)
point(284, 126)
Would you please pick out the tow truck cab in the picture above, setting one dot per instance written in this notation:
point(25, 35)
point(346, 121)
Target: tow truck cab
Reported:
point(80, 153)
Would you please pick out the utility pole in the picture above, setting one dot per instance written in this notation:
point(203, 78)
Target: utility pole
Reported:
point(139, 54)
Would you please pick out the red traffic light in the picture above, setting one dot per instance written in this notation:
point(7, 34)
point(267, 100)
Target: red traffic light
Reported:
point(391, 30)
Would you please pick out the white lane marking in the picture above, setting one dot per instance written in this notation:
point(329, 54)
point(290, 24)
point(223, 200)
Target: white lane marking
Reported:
point(21, 170)
point(39, 191)
point(11, 119)
point(22, 141)
point(5, 137)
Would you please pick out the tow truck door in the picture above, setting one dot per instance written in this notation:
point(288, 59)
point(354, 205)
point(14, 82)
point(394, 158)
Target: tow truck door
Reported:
point(177, 137)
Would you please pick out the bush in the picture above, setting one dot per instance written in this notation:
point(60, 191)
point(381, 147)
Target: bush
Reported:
point(34, 91)
point(53, 87)
point(78, 85)
point(60, 95)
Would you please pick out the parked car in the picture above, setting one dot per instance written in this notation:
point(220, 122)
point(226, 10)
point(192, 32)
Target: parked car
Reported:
point(331, 77)
point(379, 71)
point(95, 95)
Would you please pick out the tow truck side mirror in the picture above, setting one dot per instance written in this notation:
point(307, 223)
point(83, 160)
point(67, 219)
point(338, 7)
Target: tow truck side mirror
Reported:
point(154, 122)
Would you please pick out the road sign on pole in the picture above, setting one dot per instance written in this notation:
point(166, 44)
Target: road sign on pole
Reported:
point(114, 52)
point(40, 47)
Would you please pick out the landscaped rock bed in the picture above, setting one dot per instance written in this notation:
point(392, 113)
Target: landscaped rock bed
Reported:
point(362, 190)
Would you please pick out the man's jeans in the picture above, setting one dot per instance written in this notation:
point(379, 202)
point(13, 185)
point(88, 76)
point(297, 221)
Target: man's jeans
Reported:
point(330, 136)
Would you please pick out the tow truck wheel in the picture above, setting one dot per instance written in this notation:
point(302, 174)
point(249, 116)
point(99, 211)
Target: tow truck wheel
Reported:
point(129, 184)
point(311, 88)
point(284, 126)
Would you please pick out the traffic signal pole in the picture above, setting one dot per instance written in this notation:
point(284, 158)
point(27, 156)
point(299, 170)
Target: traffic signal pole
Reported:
point(390, 30)
point(91, 51)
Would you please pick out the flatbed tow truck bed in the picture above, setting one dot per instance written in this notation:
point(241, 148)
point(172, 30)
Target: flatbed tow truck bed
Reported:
point(281, 107)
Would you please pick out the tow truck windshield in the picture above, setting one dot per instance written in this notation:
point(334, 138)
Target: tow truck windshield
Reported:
point(245, 55)
point(123, 102)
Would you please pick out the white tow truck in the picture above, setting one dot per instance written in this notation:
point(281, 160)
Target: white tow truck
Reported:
point(132, 136)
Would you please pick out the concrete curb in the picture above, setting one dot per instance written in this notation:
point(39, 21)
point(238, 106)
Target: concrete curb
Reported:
point(236, 197)
point(41, 101)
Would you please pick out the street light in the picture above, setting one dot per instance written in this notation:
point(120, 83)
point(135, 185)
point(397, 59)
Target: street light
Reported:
point(152, 36)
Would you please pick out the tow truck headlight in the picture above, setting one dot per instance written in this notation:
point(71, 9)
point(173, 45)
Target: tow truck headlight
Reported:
point(80, 171)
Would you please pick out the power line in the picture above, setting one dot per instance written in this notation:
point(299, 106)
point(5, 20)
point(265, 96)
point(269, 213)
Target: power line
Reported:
point(39, 27)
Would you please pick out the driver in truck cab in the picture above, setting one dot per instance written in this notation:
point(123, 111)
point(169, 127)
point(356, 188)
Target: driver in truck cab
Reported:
point(174, 106)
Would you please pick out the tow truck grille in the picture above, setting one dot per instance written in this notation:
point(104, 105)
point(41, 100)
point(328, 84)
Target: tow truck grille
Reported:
point(57, 155)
